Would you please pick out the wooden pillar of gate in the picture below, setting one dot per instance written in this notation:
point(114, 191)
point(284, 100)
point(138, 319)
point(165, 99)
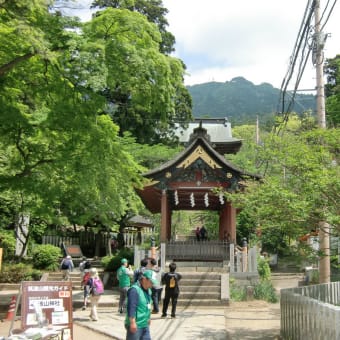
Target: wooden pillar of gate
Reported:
point(165, 220)
point(228, 222)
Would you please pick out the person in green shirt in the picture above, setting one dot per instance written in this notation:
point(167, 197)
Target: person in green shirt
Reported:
point(124, 274)
point(137, 321)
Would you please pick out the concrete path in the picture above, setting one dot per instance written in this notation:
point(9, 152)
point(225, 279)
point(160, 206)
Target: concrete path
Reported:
point(248, 320)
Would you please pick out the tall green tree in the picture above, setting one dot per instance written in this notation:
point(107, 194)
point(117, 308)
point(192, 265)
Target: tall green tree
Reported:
point(332, 91)
point(153, 10)
point(143, 87)
point(301, 186)
point(61, 158)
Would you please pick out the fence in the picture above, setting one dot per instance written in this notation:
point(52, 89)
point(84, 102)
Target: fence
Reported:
point(198, 251)
point(311, 312)
point(85, 240)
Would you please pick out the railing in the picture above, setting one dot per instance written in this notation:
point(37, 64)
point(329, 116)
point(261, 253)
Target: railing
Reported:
point(198, 251)
point(311, 312)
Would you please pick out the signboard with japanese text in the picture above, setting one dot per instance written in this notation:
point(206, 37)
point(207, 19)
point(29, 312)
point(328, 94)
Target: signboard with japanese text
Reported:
point(49, 304)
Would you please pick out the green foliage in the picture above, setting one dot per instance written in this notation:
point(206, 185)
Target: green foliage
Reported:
point(263, 269)
point(237, 292)
point(112, 263)
point(332, 91)
point(46, 257)
point(15, 273)
point(300, 188)
point(264, 290)
point(7, 243)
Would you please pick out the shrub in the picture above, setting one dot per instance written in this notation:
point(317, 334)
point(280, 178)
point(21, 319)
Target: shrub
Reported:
point(7, 242)
point(46, 257)
point(264, 290)
point(237, 293)
point(15, 273)
point(263, 269)
point(112, 263)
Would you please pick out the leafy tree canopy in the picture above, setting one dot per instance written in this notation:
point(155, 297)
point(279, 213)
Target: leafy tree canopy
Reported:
point(153, 10)
point(332, 91)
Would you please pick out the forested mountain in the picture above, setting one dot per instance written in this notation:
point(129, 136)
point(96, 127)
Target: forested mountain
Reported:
point(241, 101)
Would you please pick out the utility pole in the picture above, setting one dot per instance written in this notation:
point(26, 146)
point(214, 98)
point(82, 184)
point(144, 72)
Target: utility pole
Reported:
point(324, 236)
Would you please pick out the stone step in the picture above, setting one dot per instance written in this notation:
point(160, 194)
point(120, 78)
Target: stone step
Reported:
point(200, 276)
point(206, 283)
point(201, 288)
point(200, 295)
point(200, 302)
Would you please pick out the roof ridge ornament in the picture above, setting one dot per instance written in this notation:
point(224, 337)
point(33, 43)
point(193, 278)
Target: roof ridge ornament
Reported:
point(200, 131)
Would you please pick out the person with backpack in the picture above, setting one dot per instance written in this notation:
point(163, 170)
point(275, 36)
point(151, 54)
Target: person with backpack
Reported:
point(66, 266)
point(84, 264)
point(96, 288)
point(124, 275)
point(86, 287)
point(171, 280)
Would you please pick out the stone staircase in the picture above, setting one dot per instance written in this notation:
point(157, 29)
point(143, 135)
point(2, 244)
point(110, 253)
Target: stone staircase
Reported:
point(203, 284)
point(75, 277)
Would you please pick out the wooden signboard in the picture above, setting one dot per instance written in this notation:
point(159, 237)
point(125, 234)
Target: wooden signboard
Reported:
point(73, 250)
point(50, 299)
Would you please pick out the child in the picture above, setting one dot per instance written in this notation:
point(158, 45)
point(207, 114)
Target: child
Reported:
point(171, 280)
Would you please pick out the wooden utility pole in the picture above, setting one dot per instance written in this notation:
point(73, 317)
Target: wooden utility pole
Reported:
point(324, 237)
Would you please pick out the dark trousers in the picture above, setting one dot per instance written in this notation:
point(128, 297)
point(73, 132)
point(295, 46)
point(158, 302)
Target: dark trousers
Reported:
point(173, 295)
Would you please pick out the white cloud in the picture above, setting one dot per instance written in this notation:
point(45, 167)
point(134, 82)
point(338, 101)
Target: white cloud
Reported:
point(222, 39)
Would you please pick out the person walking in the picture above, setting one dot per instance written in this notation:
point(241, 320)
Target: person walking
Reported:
point(124, 274)
point(203, 233)
point(171, 280)
point(86, 287)
point(66, 266)
point(137, 321)
point(96, 289)
point(198, 233)
point(156, 288)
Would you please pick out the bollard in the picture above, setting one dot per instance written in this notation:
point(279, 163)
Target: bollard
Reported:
point(11, 309)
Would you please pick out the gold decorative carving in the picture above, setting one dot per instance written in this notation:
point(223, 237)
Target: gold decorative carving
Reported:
point(199, 152)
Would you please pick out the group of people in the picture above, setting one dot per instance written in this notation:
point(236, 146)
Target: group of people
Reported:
point(140, 292)
point(142, 297)
point(91, 283)
point(201, 233)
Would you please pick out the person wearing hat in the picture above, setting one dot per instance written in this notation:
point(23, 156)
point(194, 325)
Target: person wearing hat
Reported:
point(137, 321)
point(124, 273)
point(66, 266)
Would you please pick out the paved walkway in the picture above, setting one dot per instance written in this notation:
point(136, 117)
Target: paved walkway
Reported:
point(241, 320)
point(238, 321)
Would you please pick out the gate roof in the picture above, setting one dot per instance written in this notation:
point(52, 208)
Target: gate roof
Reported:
point(193, 179)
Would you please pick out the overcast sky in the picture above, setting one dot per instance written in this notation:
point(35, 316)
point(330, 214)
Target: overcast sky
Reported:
point(222, 39)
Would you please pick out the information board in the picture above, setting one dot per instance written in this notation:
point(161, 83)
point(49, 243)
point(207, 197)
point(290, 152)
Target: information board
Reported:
point(47, 302)
point(73, 250)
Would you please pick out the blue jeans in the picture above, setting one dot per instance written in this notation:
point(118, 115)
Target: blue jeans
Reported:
point(141, 334)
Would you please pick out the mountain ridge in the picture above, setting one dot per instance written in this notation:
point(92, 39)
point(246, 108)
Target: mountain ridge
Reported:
point(241, 101)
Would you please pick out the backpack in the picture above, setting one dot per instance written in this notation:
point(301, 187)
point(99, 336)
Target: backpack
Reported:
point(97, 286)
point(65, 264)
point(86, 277)
point(171, 280)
